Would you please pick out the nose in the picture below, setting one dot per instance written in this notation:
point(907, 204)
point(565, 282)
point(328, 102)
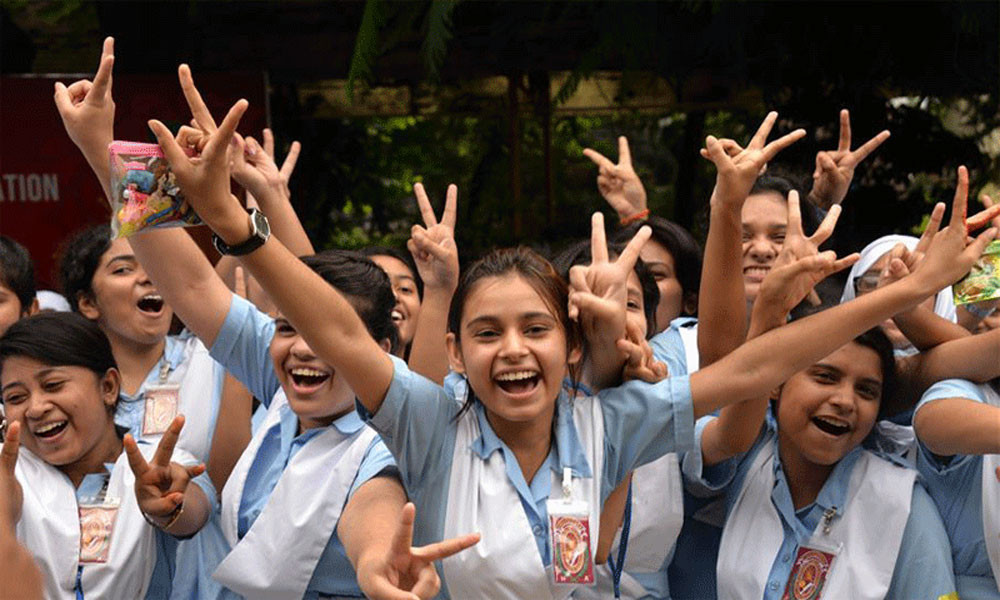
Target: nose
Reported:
point(141, 277)
point(301, 350)
point(762, 248)
point(36, 406)
point(512, 346)
point(842, 398)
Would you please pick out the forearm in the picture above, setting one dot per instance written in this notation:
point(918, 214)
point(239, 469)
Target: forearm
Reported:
point(192, 517)
point(97, 155)
point(232, 430)
point(604, 362)
point(974, 358)
point(369, 520)
point(925, 329)
point(285, 224)
point(721, 296)
point(951, 426)
point(428, 352)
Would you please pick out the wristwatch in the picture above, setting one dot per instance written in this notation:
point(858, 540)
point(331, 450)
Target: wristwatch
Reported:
point(260, 230)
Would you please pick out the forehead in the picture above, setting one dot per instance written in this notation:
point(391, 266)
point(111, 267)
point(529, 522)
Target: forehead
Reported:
point(392, 266)
point(504, 297)
point(24, 368)
point(654, 252)
point(119, 247)
point(856, 360)
point(767, 210)
point(633, 285)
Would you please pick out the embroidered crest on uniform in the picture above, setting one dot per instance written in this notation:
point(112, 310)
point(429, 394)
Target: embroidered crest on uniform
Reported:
point(808, 574)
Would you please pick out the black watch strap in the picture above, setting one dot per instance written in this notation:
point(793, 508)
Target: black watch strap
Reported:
point(260, 231)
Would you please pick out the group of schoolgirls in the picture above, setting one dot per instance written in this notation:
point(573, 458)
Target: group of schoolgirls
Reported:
point(517, 429)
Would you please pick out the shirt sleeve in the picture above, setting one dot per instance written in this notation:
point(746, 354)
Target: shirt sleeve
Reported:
point(415, 422)
point(643, 421)
point(950, 388)
point(668, 348)
point(929, 464)
point(243, 348)
point(377, 461)
point(702, 481)
point(924, 567)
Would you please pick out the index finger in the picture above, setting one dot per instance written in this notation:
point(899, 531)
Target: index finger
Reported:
point(598, 241)
point(290, 159)
point(136, 462)
point(959, 205)
point(825, 229)
point(11, 445)
point(269, 142)
point(933, 225)
point(763, 131)
point(165, 449)
point(772, 149)
point(102, 80)
point(868, 147)
point(794, 214)
point(446, 548)
point(218, 143)
point(630, 254)
point(599, 159)
point(424, 203)
point(402, 538)
point(845, 131)
point(198, 108)
point(450, 207)
point(624, 154)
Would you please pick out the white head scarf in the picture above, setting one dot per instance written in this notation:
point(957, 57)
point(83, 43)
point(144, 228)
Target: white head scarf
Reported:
point(944, 303)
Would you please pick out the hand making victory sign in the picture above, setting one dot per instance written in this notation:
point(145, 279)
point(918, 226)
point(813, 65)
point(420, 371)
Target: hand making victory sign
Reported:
point(433, 245)
point(619, 184)
point(835, 169)
point(160, 484)
point(405, 572)
point(14, 557)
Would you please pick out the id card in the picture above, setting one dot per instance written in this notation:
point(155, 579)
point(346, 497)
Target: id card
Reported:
point(569, 538)
point(809, 573)
point(97, 526)
point(161, 408)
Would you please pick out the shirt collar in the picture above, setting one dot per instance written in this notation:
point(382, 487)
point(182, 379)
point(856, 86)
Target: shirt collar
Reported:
point(833, 494)
point(568, 449)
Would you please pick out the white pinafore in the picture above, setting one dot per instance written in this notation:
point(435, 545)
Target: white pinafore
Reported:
point(869, 531)
point(50, 529)
point(196, 376)
point(506, 563)
point(991, 497)
point(278, 555)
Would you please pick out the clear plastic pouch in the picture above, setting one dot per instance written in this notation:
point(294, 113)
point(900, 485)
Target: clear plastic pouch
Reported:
point(569, 538)
point(983, 281)
point(97, 527)
point(144, 191)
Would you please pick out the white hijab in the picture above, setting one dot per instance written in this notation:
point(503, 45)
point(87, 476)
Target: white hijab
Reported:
point(944, 303)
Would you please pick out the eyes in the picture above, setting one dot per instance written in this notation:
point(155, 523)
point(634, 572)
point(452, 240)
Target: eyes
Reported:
point(122, 269)
point(775, 237)
point(284, 328)
point(489, 332)
point(19, 395)
point(405, 289)
point(865, 389)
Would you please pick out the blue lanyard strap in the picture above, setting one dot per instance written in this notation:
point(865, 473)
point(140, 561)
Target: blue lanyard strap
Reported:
point(618, 565)
point(79, 583)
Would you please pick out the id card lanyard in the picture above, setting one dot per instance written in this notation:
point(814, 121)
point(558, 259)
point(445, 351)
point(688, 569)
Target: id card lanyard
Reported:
point(161, 403)
point(569, 536)
point(813, 562)
point(97, 524)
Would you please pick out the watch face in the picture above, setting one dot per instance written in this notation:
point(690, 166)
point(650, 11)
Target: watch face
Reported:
point(261, 224)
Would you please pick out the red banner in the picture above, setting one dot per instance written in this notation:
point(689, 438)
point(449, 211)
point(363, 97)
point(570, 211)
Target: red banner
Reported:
point(47, 190)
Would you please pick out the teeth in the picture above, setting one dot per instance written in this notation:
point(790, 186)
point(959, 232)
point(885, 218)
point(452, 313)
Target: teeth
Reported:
point(154, 297)
point(516, 375)
point(397, 316)
point(834, 422)
point(305, 372)
point(49, 427)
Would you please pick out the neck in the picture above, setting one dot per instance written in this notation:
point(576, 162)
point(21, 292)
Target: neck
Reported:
point(529, 441)
point(307, 423)
point(135, 360)
point(106, 450)
point(805, 478)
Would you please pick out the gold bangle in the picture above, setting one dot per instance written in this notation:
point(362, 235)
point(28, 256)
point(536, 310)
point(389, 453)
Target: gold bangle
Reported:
point(176, 514)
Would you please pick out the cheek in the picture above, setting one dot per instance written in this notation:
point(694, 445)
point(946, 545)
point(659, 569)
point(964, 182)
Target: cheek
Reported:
point(279, 351)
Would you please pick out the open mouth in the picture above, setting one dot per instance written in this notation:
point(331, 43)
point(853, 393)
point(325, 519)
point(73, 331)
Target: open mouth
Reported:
point(397, 316)
point(831, 426)
point(50, 430)
point(305, 377)
point(518, 382)
point(150, 303)
point(755, 272)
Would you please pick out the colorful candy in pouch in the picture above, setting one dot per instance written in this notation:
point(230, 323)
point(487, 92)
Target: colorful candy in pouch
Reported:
point(144, 191)
point(983, 281)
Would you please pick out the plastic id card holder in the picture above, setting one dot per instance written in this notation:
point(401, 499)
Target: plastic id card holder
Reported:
point(97, 527)
point(811, 570)
point(161, 408)
point(569, 538)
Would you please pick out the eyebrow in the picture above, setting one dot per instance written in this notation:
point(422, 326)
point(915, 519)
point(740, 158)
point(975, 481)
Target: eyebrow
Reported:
point(122, 257)
point(398, 277)
point(41, 373)
point(525, 316)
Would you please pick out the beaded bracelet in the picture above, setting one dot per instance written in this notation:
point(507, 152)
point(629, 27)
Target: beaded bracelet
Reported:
point(639, 216)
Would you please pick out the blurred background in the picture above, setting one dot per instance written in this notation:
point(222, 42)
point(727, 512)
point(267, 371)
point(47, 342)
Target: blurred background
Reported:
point(501, 98)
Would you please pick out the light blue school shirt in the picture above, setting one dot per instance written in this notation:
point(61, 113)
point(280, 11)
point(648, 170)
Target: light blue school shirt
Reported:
point(668, 346)
point(923, 567)
point(132, 408)
point(416, 419)
point(243, 348)
point(955, 484)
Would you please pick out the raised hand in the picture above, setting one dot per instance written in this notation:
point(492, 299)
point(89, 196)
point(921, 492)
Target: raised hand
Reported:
point(205, 178)
point(405, 572)
point(10, 488)
point(288, 166)
point(640, 364)
point(738, 168)
point(254, 168)
point(619, 184)
point(789, 287)
point(949, 254)
point(433, 245)
point(160, 484)
point(835, 169)
point(86, 107)
point(989, 216)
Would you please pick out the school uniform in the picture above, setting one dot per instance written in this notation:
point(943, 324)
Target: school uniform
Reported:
point(880, 524)
point(463, 478)
point(138, 561)
point(186, 366)
point(282, 502)
point(961, 487)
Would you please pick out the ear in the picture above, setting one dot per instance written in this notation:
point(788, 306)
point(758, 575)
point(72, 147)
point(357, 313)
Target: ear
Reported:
point(110, 386)
point(87, 306)
point(776, 394)
point(455, 360)
point(32, 308)
point(385, 345)
point(690, 306)
point(575, 354)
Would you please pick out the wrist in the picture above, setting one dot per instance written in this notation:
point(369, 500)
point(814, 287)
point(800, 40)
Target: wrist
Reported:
point(165, 522)
point(641, 215)
point(231, 224)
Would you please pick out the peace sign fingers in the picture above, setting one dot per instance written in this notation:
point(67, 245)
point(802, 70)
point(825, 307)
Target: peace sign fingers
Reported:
point(763, 131)
point(629, 256)
point(165, 449)
point(960, 204)
point(933, 225)
point(826, 227)
point(624, 154)
point(11, 447)
point(598, 159)
point(402, 538)
point(446, 548)
point(794, 227)
point(195, 102)
point(598, 240)
point(102, 80)
point(450, 207)
point(771, 150)
point(853, 158)
point(424, 203)
point(136, 461)
point(844, 144)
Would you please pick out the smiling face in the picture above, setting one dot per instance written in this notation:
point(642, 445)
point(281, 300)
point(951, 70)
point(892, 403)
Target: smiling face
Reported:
point(661, 265)
point(125, 304)
point(825, 411)
point(404, 286)
point(312, 387)
point(64, 411)
point(513, 350)
point(765, 219)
